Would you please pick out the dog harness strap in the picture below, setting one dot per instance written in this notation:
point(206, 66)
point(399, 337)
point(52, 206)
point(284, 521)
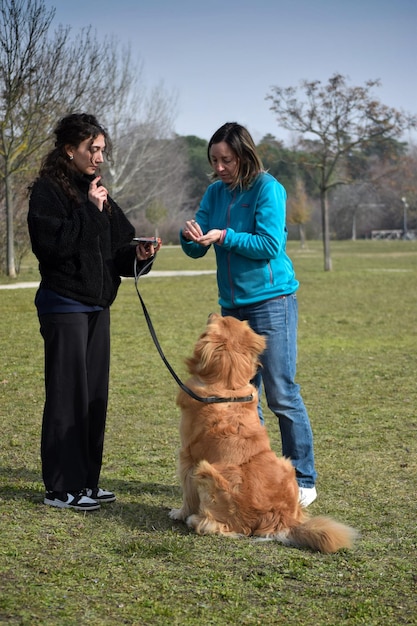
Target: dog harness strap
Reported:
point(190, 392)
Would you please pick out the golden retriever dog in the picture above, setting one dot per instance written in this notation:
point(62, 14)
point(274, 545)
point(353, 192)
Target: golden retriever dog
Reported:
point(233, 483)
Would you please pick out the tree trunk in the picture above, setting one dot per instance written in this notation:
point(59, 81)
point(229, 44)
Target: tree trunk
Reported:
point(354, 226)
point(302, 231)
point(11, 267)
point(325, 229)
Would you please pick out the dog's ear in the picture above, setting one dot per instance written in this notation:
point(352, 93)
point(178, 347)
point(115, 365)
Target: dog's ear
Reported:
point(213, 317)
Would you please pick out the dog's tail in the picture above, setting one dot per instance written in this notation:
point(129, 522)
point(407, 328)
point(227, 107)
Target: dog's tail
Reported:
point(322, 534)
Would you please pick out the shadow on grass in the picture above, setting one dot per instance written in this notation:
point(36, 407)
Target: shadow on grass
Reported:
point(139, 505)
point(18, 482)
point(143, 505)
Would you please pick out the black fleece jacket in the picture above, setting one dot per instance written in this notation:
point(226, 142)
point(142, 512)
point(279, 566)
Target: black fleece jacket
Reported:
point(82, 252)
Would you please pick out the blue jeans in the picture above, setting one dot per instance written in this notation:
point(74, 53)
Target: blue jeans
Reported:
point(277, 320)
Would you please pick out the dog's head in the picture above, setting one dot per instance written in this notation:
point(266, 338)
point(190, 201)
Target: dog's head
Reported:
point(227, 352)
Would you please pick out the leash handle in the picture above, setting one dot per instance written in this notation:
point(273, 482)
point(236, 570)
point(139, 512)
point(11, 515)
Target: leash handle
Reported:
point(190, 392)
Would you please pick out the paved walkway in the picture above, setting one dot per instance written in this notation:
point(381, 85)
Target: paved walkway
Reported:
point(152, 274)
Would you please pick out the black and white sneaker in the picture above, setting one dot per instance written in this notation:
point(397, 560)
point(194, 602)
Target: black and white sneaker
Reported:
point(67, 500)
point(100, 495)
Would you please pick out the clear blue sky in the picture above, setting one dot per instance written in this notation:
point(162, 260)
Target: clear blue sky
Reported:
point(221, 57)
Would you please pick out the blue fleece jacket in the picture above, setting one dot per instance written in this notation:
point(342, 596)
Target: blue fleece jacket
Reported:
point(252, 264)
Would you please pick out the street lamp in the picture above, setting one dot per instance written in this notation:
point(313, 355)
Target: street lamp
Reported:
point(405, 203)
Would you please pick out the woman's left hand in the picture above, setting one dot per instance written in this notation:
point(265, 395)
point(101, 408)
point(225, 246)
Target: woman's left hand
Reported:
point(193, 232)
point(145, 251)
point(213, 236)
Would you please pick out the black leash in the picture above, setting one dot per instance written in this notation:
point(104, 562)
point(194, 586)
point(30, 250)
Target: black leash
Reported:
point(190, 392)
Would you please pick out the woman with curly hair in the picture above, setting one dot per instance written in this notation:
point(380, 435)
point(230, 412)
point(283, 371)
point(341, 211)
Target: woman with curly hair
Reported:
point(82, 240)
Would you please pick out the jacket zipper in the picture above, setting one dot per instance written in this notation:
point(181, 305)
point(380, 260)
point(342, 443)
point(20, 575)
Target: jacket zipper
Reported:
point(229, 270)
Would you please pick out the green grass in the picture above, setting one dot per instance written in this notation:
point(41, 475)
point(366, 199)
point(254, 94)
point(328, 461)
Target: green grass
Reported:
point(129, 563)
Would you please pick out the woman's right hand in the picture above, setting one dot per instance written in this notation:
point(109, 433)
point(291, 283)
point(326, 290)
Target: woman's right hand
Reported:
point(192, 231)
point(97, 194)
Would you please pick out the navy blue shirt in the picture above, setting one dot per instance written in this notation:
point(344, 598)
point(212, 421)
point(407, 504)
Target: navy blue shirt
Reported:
point(48, 301)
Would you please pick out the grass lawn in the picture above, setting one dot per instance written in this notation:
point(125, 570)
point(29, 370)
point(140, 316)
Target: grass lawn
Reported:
point(129, 563)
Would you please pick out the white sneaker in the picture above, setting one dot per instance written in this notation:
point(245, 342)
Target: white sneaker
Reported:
point(307, 495)
point(100, 495)
point(67, 500)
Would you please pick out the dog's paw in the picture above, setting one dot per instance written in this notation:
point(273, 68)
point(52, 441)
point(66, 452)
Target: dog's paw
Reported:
point(192, 521)
point(177, 514)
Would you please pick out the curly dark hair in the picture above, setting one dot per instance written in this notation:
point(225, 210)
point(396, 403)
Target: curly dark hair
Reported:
point(71, 130)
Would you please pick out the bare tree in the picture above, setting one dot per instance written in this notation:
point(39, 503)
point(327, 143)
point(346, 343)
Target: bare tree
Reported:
point(147, 168)
point(398, 190)
point(356, 209)
point(42, 77)
point(333, 120)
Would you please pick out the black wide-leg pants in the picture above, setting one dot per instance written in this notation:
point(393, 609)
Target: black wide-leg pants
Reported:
point(77, 361)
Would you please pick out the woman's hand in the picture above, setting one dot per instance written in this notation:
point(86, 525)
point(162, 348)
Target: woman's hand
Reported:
point(97, 194)
point(192, 231)
point(145, 251)
point(213, 236)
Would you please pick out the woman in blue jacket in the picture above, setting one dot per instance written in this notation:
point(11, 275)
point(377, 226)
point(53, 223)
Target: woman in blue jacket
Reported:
point(243, 214)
